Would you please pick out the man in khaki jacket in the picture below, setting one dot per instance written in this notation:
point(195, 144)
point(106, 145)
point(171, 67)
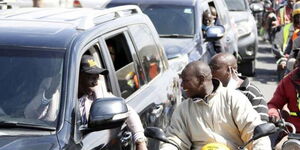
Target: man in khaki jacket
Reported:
point(212, 114)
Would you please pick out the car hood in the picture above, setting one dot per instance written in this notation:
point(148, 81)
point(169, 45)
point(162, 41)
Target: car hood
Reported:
point(239, 16)
point(177, 46)
point(27, 143)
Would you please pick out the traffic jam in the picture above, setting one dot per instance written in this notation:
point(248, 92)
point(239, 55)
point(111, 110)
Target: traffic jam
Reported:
point(150, 74)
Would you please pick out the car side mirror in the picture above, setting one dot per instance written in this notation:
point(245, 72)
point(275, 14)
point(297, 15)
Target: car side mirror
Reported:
point(214, 33)
point(256, 7)
point(107, 113)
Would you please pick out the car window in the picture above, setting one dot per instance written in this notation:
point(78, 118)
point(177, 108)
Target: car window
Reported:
point(128, 77)
point(170, 19)
point(147, 50)
point(236, 5)
point(103, 86)
point(102, 90)
point(31, 81)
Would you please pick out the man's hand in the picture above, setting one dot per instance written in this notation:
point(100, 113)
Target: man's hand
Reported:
point(273, 113)
point(282, 65)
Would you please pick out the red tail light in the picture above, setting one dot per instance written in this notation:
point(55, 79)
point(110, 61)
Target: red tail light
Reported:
point(76, 4)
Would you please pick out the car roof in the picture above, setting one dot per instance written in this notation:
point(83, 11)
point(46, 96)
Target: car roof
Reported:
point(47, 27)
point(162, 2)
point(37, 27)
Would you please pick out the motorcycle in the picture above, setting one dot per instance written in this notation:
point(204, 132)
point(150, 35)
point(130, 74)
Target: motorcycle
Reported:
point(257, 9)
point(259, 131)
point(293, 142)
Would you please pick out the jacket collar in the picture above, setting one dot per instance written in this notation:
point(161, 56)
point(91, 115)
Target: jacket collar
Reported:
point(245, 83)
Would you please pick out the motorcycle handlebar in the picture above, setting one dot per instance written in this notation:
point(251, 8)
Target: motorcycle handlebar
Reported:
point(292, 126)
point(282, 124)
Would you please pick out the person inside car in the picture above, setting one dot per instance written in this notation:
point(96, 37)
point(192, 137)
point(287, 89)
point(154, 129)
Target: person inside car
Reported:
point(207, 21)
point(212, 113)
point(224, 68)
point(43, 105)
point(88, 80)
point(214, 14)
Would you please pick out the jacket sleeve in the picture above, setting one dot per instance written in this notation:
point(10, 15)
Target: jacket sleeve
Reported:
point(289, 47)
point(279, 98)
point(277, 45)
point(258, 101)
point(177, 131)
point(246, 119)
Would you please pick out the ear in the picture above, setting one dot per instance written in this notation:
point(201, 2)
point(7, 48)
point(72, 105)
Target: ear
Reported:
point(200, 80)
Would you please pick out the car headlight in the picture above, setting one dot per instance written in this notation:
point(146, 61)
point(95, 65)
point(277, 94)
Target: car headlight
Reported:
point(244, 28)
point(179, 62)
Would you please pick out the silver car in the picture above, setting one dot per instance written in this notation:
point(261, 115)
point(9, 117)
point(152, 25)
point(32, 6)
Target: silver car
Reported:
point(179, 24)
point(247, 34)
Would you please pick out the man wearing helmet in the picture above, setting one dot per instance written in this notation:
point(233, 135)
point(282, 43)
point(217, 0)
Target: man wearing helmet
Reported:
point(283, 15)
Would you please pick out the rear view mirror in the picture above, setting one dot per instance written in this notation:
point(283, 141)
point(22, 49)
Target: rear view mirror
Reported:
point(107, 113)
point(214, 33)
point(157, 134)
point(261, 131)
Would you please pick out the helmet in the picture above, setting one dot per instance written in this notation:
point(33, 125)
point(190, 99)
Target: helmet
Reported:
point(296, 9)
point(215, 146)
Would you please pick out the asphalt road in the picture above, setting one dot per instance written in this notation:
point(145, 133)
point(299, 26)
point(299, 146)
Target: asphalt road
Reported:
point(265, 74)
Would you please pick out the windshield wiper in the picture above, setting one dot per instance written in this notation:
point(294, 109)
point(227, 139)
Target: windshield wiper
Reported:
point(176, 35)
point(14, 124)
point(236, 10)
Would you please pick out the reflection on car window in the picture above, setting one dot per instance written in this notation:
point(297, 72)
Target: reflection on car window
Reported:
point(170, 19)
point(147, 50)
point(236, 5)
point(27, 76)
point(123, 62)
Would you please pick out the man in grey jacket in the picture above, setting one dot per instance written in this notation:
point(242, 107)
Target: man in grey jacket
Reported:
point(212, 114)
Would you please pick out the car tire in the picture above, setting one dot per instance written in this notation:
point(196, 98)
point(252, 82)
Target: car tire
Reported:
point(247, 68)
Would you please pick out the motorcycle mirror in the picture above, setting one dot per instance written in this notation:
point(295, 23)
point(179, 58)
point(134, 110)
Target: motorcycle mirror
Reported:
point(261, 131)
point(156, 133)
point(256, 7)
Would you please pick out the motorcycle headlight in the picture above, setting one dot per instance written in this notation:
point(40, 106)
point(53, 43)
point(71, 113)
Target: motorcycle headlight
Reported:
point(291, 144)
point(244, 28)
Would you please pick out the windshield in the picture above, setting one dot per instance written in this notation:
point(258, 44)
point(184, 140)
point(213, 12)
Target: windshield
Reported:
point(30, 87)
point(236, 5)
point(171, 20)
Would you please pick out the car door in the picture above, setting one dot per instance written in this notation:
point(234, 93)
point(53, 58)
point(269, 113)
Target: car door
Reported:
point(104, 139)
point(161, 92)
point(140, 72)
